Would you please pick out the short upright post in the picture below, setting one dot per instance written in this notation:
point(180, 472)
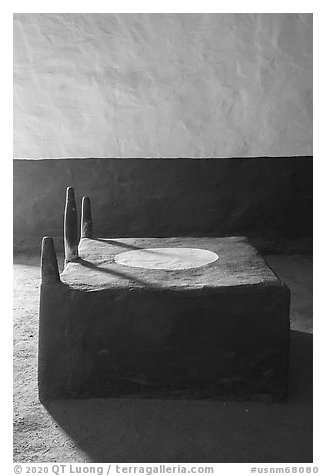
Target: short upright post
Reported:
point(49, 263)
point(86, 219)
point(70, 227)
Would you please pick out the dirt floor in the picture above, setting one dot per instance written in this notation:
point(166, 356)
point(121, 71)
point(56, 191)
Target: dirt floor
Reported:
point(162, 430)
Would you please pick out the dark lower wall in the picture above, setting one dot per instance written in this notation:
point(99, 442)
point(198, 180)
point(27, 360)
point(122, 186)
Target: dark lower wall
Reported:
point(262, 197)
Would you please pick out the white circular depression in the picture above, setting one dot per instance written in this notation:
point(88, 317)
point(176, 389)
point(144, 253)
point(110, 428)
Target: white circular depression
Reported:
point(166, 258)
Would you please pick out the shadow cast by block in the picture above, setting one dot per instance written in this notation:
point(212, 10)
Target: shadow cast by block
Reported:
point(167, 430)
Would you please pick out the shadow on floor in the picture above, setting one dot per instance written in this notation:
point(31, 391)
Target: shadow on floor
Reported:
point(176, 431)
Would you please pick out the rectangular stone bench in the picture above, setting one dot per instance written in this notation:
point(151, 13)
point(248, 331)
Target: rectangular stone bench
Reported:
point(160, 317)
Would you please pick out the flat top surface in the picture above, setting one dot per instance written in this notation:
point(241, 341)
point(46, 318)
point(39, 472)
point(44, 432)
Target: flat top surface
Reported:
point(166, 258)
point(238, 264)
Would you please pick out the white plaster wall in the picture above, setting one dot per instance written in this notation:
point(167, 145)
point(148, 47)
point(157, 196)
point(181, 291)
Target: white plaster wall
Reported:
point(162, 85)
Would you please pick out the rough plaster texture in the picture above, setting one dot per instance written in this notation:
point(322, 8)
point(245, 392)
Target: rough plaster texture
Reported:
point(220, 331)
point(239, 264)
point(162, 85)
point(174, 431)
point(143, 197)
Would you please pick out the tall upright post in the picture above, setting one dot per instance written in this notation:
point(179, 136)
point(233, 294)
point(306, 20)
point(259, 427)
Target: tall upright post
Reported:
point(86, 230)
point(70, 227)
point(49, 263)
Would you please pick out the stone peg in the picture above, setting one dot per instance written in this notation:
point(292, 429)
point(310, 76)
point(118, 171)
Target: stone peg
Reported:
point(70, 227)
point(86, 219)
point(49, 263)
